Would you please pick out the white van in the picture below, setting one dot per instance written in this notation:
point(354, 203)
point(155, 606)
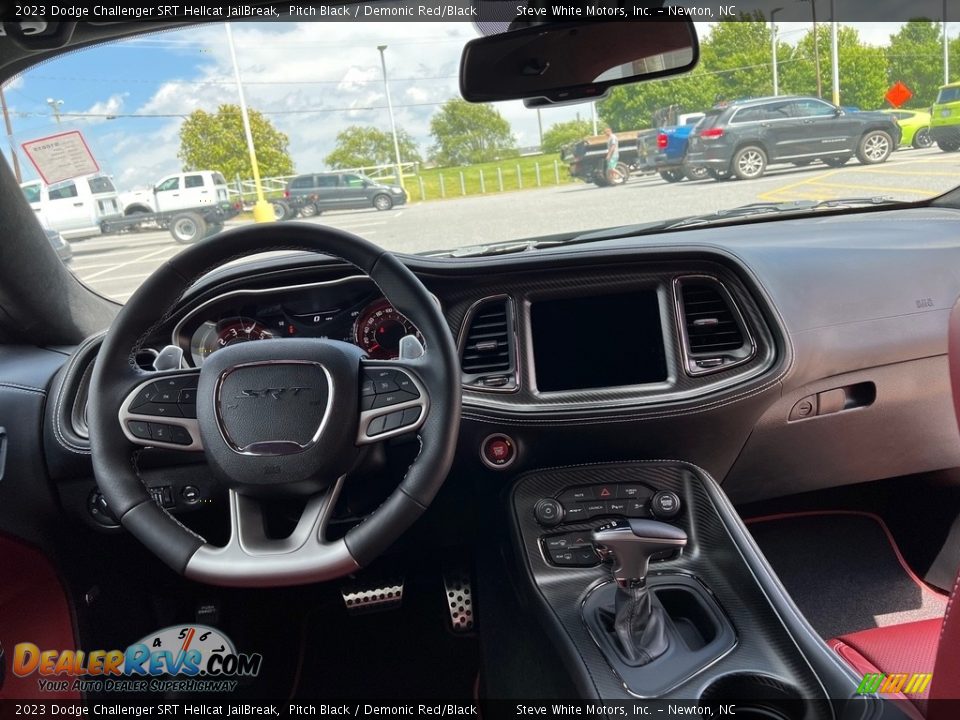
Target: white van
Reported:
point(74, 207)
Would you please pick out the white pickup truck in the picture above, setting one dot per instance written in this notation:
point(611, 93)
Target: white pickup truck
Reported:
point(191, 205)
point(75, 208)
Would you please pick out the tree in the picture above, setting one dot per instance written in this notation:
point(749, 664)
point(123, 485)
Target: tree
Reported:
point(864, 78)
point(915, 57)
point(466, 133)
point(734, 63)
point(359, 146)
point(216, 141)
point(563, 133)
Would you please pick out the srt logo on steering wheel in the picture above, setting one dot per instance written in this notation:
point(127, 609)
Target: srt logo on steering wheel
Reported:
point(275, 393)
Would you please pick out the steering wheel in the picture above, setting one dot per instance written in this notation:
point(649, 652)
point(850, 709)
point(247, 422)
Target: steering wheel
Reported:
point(281, 419)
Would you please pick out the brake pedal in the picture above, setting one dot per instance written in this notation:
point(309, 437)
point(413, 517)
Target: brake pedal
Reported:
point(373, 598)
point(458, 592)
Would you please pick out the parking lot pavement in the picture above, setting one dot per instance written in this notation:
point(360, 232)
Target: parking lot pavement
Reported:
point(116, 265)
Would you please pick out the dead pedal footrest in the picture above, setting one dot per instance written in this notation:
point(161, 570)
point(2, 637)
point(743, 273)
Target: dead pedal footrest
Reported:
point(458, 593)
point(373, 597)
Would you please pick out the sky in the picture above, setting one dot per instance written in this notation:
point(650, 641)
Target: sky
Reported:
point(312, 79)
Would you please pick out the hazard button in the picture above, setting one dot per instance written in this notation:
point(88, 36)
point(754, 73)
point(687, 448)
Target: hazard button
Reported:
point(605, 492)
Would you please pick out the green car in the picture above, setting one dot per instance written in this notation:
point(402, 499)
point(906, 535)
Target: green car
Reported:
point(945, 118)
point(914, 125)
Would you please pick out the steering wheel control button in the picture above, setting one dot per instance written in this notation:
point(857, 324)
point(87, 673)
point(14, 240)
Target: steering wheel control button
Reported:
point(410, 416)
point(665, 505)
point(384, 381)
point(145, 396)
point(405, 384)
point(188, 396)
point(367, 388)
point(376, 426)
point(396, 397)
point(498, 451)
point(548, 512)
point(139, 429)
point(393, 421)
point(159, 410)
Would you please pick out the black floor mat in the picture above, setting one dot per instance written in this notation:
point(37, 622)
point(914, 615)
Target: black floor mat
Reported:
point(396, 654)
point(843, 573)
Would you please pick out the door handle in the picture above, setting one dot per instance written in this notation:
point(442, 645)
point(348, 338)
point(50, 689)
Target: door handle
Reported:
point(764, 124)
point(79, 204)
point(204, 192)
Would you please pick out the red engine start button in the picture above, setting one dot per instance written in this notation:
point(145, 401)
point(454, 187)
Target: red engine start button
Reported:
point(498, 451)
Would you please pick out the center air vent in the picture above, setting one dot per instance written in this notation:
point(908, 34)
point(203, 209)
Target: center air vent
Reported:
point(487, 346)
point(714, 334)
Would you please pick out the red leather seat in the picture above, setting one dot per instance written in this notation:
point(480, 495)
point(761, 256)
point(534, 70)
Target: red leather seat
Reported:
point(928, 646)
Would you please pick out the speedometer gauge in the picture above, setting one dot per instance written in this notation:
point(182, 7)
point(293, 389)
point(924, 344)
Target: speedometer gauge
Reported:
point(210, 336)
point(379, 328)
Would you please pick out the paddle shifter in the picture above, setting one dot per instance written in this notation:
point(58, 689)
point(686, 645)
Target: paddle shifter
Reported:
point(639, 619)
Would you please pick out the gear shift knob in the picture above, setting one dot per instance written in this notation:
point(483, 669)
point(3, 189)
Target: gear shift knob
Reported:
point(632, 543)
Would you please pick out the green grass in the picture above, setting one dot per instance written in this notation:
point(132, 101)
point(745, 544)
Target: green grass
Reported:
point(518, 173)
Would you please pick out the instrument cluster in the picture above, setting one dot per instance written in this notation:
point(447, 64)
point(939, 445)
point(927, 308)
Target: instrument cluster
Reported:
point(350, 310)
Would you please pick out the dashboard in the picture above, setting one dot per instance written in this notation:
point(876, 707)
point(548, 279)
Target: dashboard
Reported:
point(349, 309)
point(706, 346)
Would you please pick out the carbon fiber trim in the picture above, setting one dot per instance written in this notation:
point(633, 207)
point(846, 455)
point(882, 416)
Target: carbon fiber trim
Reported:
point(764, 647)
point(772, 348)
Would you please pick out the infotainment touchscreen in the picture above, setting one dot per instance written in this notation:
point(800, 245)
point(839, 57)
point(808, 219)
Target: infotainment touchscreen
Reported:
point(598, 342)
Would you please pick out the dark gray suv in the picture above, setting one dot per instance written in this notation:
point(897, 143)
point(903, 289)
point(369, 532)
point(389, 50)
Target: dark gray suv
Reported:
point(313, 193)
point(741, 138)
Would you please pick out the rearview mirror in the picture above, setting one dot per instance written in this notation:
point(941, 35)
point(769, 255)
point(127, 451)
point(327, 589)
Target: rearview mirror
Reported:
point(566, 62)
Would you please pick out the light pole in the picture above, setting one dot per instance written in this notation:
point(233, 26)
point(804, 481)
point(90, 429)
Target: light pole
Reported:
point(834, 59)
point(773, 49)
point(393, 123)
point(55, 106)
point(262, 211)
point(816, 45)
point(9, 126)
point(946, 47)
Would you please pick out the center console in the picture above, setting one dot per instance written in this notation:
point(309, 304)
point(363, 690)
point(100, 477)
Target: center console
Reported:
point(651, 587)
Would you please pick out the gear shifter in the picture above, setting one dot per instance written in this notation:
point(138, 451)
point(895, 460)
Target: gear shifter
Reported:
point(639, 620)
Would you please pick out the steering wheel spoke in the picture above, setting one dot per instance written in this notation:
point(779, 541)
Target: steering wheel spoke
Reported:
point(286, 561)
point(161, 411)
point(393, 399)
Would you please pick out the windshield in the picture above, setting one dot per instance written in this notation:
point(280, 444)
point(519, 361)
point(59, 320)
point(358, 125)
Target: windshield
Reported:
point(361, 126)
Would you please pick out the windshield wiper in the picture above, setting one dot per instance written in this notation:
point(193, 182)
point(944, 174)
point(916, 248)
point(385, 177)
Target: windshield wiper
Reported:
point(719, 217)
point(777, 208)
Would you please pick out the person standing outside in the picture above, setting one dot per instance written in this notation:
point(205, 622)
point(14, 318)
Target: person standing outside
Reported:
point(612, 157)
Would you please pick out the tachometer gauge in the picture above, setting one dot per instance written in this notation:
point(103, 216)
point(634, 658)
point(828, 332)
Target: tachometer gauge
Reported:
point(211, 336)
point(379, 328)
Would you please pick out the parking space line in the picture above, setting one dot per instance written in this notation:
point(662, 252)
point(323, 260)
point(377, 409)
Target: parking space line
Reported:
point(133, 262)
point(879, 188)
point(805, 181)
point(910, 172)
point(120, 278)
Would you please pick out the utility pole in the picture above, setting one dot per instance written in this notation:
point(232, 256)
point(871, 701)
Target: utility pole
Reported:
point(540, 127)
point(13, 147)
point(55, 106)
point(773, 49)
point(262, 211)
point(593, 116)
point(393, 124)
